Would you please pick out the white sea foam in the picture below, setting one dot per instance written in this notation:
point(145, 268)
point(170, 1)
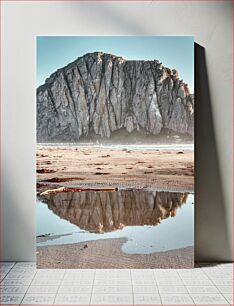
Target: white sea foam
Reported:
point(161, 147)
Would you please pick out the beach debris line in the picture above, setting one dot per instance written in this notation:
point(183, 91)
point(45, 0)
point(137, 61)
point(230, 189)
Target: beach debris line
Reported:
point(45, 171)
point(43, 236)
point(75, 189)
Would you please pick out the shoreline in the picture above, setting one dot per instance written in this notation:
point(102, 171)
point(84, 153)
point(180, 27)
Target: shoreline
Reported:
point(158, 147)
point(121, 186)
point(107, 253)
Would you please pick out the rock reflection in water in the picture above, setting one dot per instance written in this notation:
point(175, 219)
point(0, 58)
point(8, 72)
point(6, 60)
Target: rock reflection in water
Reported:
point(102, 211)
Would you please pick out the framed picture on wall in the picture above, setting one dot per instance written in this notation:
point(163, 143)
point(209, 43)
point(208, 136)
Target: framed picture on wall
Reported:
point(115, 152)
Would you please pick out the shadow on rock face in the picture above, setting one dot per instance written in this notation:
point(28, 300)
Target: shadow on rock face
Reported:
point(101, 211)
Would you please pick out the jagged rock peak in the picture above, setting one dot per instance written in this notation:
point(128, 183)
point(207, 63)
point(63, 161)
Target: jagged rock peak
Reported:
point(98, 55)
point(99, 94)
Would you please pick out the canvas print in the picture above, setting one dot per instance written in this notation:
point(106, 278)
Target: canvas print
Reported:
point(115, 152)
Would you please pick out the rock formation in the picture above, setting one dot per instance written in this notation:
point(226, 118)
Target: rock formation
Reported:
point(99, 94)
point(104, 211)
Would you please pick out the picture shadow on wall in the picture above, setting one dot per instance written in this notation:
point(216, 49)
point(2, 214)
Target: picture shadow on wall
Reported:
point(210, 214)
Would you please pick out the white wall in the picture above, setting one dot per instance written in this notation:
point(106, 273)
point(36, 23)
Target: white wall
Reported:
point(211, 24)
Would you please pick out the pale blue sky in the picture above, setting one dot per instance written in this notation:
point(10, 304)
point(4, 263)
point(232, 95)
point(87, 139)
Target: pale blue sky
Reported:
point(175, 52)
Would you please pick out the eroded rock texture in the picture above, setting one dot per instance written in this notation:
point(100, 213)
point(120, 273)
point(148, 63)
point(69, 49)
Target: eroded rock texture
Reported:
point(103, 211)
point(100, 93)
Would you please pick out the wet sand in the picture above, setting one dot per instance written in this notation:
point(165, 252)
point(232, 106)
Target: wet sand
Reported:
point(107, 253)
point(166, 170)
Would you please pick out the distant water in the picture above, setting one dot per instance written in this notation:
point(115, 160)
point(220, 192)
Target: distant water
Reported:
point(161, 147)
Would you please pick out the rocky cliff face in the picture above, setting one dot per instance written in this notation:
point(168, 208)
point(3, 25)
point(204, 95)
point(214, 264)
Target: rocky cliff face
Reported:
point(99, 94)
point(104, 211)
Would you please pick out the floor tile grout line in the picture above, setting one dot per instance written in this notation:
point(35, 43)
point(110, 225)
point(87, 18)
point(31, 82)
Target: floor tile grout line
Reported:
point(14, 263)
point(28, 287)
point(133, 299)
point(186, 286)
point(216, 286)
point(94, 275)
point(7, 274)
point(155, 278)
point(59, 287)
point(184, 283)
point(222, 294)
point(209, 295)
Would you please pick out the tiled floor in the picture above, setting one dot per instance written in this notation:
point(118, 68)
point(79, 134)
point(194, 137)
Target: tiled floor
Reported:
point(207, 284)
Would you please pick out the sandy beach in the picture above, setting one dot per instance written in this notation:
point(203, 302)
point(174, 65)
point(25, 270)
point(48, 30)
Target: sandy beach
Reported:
point(101, 254)
point(157, 169)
